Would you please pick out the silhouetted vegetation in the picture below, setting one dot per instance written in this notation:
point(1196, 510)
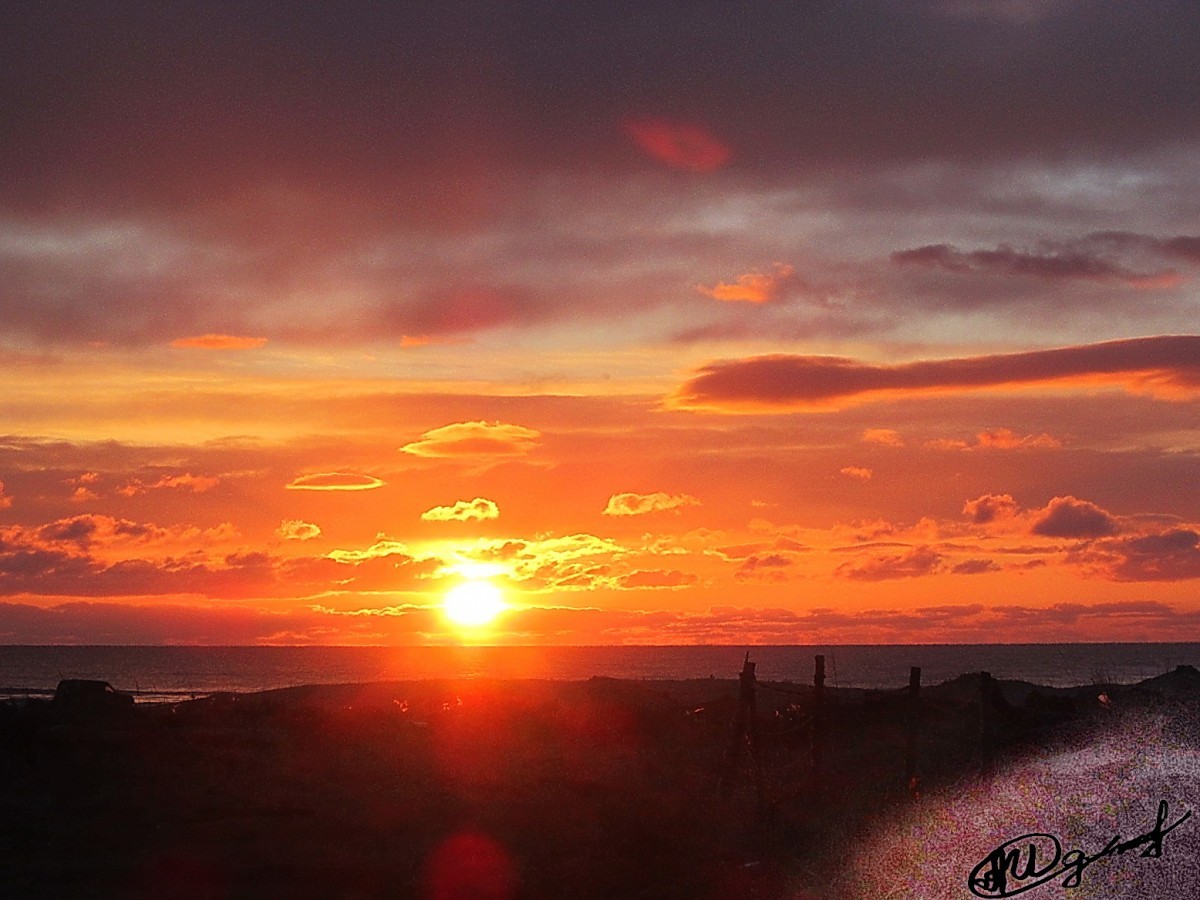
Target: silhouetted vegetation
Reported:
point(601, 788)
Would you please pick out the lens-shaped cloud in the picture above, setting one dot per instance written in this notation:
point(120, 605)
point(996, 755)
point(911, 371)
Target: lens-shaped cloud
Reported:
point(474, 439)
point(1167, 365)
point(335, 481)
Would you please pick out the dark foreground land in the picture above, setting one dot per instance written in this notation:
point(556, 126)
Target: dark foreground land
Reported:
point(478, 789)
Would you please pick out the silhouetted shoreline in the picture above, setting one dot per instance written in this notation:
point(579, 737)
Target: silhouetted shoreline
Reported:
point(597, 788)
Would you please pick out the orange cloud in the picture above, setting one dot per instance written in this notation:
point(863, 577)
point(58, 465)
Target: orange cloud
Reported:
point(998, 439)
point(429, 340)
point(335, 481)
point(219, 342)
point(1005, 439)
point(574, 562)
point(858, 472)
point(297, 530)
point(678, 144)
point(5, 500)
point(382, 548)
point(463, 511)
point(656, 578)
point(885, 436)
point(198, 484)
point(474, 439)
point(1167, 365)
point(753, 287)
point(640, 504)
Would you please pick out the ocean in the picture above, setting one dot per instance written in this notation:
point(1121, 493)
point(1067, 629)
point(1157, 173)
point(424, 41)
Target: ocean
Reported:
point(171, 673)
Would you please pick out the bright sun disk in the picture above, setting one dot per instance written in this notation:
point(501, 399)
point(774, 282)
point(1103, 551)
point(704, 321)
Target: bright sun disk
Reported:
point(473, 603)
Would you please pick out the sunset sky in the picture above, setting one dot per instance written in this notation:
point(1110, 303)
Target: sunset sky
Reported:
point(866, 322)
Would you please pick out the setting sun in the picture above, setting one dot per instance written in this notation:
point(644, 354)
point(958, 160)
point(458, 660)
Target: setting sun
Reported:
point(473, 603)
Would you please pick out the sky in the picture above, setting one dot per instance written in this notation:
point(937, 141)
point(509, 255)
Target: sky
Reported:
point(678, 323)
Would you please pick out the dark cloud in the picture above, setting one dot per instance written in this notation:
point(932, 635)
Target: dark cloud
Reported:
point(837, 321)
point(1100, 258)
point(99, 622)
point(783, 382)
point(1171, 555)
point(1060, 266)
point(160, 99)
point(59, 573)
point(78, 530)
point(975, 567)
point(914, 563)
point(75, 558)
point(764, 567)
point(1059, 615)
point(199, 172)
point(452, 311)
point(1067, 517)
point(1185, 248)
point(990, 507)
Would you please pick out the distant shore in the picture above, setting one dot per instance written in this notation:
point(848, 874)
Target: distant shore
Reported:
point(168, 673)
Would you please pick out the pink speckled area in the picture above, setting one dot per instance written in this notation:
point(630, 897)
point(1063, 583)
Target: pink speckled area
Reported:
point(1084, 796)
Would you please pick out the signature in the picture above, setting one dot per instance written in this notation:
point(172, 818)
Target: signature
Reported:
point(1033, 859)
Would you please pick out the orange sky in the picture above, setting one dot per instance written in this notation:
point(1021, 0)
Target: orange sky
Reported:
point(302, 325)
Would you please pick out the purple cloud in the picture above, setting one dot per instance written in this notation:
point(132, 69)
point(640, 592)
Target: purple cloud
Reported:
point(782, 381)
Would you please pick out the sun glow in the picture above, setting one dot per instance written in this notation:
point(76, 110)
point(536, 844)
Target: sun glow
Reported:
point(473, 603)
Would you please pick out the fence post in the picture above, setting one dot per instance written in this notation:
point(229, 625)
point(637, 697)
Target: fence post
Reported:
point(818, 726)
point(745, 732)
point(911, 776)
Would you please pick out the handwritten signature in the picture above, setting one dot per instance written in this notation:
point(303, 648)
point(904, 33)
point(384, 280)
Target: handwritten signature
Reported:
point(1033, 859)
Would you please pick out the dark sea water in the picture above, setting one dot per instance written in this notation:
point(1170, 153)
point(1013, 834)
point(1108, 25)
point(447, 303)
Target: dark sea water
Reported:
point(161, 673)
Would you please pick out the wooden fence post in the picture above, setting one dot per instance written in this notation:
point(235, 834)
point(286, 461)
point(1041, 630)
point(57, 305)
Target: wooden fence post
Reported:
point(911, 775)
point(745, 734)
point(818, 725)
